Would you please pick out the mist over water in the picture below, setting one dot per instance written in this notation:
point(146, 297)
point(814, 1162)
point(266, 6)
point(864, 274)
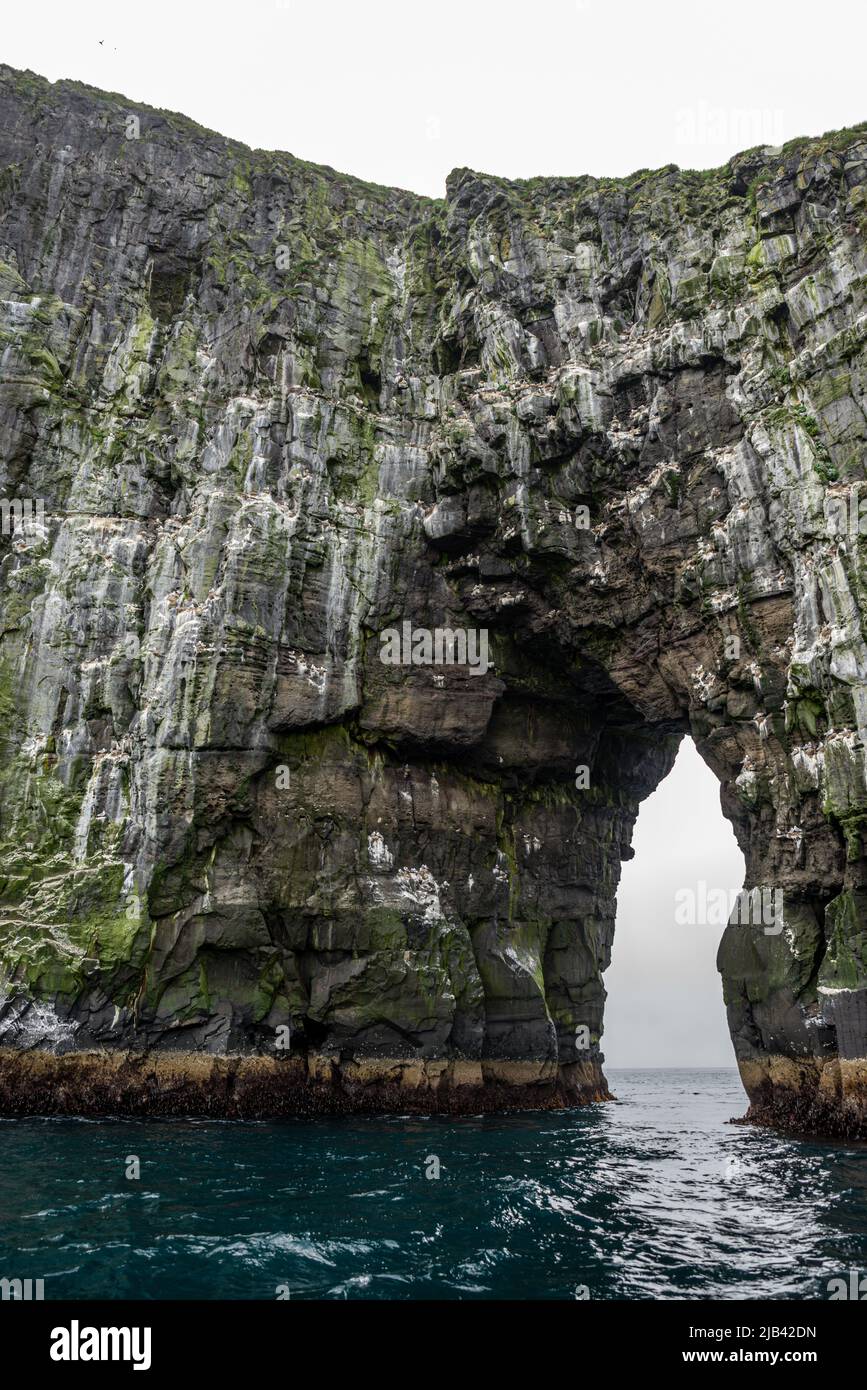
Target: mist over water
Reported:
point(654, 1197)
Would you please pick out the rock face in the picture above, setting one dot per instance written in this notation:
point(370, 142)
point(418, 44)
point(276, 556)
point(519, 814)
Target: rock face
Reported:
point(264, 847)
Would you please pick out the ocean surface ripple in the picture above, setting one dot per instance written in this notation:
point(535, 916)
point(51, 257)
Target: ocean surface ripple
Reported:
point(654, 1197)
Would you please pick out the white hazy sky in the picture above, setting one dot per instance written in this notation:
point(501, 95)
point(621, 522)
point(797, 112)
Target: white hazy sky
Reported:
point(401, 93)
point(665, 1005)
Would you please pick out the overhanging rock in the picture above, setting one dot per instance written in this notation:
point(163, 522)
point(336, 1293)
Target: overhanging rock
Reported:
point(595, 445)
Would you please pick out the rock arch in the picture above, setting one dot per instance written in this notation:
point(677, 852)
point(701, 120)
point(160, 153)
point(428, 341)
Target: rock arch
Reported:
point(617, 426)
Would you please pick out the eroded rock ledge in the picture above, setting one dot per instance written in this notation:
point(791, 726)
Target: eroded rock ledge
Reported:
point(807, 1095)
point(252, 1088)
point(262, 413)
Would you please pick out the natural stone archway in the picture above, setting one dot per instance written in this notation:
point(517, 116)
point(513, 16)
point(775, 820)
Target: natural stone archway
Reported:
point(274, 413)
point(664, 1004)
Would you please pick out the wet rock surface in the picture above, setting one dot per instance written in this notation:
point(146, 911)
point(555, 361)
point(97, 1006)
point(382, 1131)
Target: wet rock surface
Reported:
point(263, 414)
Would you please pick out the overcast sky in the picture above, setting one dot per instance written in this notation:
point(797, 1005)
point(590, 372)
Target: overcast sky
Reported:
point(401, 93)
point(665, 1004)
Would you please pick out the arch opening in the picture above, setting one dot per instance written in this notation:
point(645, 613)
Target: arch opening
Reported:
point(664, 1005)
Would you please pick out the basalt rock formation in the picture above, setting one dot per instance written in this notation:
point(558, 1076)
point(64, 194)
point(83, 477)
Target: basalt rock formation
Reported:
point(262, 414)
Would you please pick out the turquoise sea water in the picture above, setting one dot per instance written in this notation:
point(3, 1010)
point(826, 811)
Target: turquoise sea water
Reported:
point(653, 1197)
